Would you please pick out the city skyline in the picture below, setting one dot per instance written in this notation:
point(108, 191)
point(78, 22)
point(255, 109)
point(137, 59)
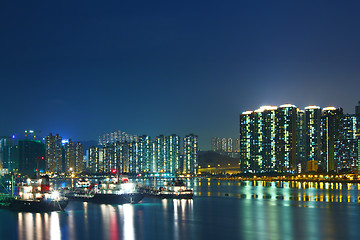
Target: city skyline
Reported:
point(84, 69)
point(179, 119)
point(204, 146)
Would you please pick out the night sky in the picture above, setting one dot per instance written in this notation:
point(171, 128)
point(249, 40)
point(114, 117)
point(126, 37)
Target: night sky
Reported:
point(84, 68)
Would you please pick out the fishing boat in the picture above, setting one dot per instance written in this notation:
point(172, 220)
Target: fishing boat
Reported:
point(174, 189)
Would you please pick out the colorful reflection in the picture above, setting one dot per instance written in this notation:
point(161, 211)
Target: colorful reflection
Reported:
point(283, 191)
point(38, 226)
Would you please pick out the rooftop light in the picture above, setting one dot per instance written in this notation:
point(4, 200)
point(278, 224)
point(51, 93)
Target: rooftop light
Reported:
point(312, 107)
point(247, 112)
point(329, 109)
point(287, 105)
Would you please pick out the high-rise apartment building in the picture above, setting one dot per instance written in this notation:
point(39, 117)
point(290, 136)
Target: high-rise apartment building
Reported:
point(330, 131)
point(173, 153)
point(312, 134)
point(285, 138)
point(145, 153)
point(226, 146)
point(357, 109)
point(300, 141)
point(74, 157)
point(70, 157)
point(346, 147)
point(5, 145)
point(53, 153)
point(117, 136)
point(190, 150)
point(79, 157)
point(144, 156)
point(161, 153)
point(93, 159)
point(247, 141)
point(269, 160)
point(214, 144)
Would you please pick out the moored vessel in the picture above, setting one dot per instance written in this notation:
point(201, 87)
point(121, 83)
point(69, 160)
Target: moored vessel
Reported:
point(35, 196)
point(108, 191)
point(116, 191)
point(81, 192)
point(174, 189)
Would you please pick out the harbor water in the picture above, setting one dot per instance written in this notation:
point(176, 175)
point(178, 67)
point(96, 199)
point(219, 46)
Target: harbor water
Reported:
point(219, 210)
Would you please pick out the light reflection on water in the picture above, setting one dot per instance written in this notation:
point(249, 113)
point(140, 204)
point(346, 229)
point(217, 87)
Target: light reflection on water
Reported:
point(280, 190)
point(128, 222)
point(249, 210)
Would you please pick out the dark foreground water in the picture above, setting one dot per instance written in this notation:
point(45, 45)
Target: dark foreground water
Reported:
point(220, 210)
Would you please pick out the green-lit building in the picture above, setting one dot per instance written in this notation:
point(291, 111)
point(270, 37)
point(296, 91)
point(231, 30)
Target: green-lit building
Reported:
point(190, 151)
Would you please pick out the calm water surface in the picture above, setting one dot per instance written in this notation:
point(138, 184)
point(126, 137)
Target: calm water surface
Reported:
point(219, 210)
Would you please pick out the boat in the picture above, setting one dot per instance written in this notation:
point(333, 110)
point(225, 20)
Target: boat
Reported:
point(174, 189)
point(109, 191)
point(35, 196)
point(81, 192)
point(117, 191)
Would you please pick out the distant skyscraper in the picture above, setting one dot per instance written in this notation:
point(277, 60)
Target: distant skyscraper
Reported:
point(30, 134)
point(93, 159)
point(109, 161)
point(346, 149)
point(258, 139)
point(346, 155)
point(173, 153)
point(53, 153)
point(31, 157)
point(313, 134)
point(229, 145)
point(357, 109)
point(101, 160)
point(145, 153)
point(247, 132)
point(5, 145)
point(117, 136)
point(236, 145)
point(70, 156)
point(224, 144)
point(79, 158)
point(287, 137)
point(161, 153)
point(190, 164)
point(300, 141)
point(357, 114)
point(74, 157)
point(214, 144)
point(14, 158)
point(330, 131)
point(269, 139)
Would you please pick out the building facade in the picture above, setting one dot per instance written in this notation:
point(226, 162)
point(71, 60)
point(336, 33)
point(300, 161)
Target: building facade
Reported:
point(53, 153)
point(190, 151)
point(285, 138)
point(144, 156)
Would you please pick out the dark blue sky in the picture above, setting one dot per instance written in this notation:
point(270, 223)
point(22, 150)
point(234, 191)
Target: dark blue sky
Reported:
point(160, 67)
